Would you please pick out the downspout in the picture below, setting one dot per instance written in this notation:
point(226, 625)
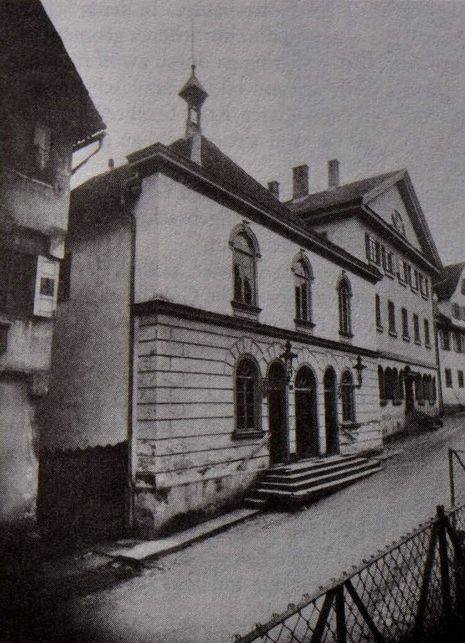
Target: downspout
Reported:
point(131, 190)
point(438, 361)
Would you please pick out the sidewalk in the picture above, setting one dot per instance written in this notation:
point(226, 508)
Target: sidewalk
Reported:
point(225, 584)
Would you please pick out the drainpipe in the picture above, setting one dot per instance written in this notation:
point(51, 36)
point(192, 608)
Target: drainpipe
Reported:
point(438, 362)
point(130, 192)
point(98, 138)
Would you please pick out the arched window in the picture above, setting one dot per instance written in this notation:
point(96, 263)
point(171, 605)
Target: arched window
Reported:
point(381, 384)
point(245, 253)
point(347, 396)
point(345, 317)
point(419, 392)
point(400, 389)
point(302, 288)
point(395, 384)
point(433, 390)
point(247, 396)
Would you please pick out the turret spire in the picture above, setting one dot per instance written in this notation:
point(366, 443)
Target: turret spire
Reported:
point(194, 95)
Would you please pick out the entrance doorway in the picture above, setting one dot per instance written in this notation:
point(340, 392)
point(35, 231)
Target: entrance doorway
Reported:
point(408, 384)
point(277, 414)
point(306, 423)
point(332, 434)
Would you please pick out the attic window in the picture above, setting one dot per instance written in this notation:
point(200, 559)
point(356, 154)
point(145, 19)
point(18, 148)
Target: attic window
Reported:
point(398, 223)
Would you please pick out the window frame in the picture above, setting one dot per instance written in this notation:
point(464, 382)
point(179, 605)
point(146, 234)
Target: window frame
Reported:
point(448, 381)
point(348, 416)
point(405, 325)
point(392, 323)
point(416, 329)
point(256, 430)
point(344, 296)
point(302, 318)
point(240, 305)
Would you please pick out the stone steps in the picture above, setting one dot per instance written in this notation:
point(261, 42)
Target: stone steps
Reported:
point(308, 480)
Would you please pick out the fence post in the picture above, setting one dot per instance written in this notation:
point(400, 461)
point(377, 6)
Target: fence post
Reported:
point(444, 563)
point(451, 477)
point(341, 615)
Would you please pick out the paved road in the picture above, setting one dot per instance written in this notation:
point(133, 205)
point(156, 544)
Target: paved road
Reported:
point(224, 585)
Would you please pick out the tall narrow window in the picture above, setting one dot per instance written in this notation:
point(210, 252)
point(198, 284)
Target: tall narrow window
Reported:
point(379, 321)
point(416, 329)
point(345, 317)
point(392, 319)
point(405, 331)
point(245, 254)
point(457, 339)
point(460, 378)
point(247, 398)
point(302, 289)
point(347, 397)
point(427, 335)
point(448, 377)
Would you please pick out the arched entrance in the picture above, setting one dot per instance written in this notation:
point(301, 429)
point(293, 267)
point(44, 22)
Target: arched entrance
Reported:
point(306, 423)
point(332, 435)
point(277, 414)
point(408, 386)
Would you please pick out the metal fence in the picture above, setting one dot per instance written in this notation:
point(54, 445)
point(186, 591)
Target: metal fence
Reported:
point(412, 591)
point(457, 476)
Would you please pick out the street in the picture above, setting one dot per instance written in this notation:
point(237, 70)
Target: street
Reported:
point(224, 585)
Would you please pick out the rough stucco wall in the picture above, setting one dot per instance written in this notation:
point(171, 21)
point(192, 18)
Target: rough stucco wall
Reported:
point(195, 264)
point(18, 455)
point(87, 403)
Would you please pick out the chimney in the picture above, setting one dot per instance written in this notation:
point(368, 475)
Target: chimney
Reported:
point(111, 164)
point(300, 182)
point(333, 174)
point(273, 187)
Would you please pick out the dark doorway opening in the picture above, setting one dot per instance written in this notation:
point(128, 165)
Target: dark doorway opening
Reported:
point(277, 414)
point(332, 433)
point(306, 422)
point(408, 384)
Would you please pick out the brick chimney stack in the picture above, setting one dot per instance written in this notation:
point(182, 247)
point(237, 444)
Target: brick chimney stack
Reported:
point(300, 182)
point(273, 187)
point(333, 174)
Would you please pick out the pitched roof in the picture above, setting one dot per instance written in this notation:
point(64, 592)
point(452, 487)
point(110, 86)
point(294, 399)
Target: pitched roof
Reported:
point(350, 192)
point(448, 280)
point(229, 174)
point(44, 65)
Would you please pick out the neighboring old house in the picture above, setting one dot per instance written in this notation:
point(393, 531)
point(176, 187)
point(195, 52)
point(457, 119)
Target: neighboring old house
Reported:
point(450, 322)
point(46, 115)
point(187, 280)
point(379, 220)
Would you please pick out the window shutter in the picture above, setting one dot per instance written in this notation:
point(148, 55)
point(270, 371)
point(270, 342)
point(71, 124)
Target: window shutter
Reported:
point(367, 244)
point(46, 287)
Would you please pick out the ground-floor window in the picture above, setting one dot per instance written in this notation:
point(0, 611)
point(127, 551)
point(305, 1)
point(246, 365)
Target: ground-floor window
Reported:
point(247, 396)
point(448, 377)
point(347, 395)
point(460, 378)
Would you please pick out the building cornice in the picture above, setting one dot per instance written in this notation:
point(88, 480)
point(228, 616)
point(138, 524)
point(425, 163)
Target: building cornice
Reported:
point(160, 158)
point(406, 360)
point(163, 307)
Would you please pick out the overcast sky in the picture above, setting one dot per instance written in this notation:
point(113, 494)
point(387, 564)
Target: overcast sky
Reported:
point(378, 85)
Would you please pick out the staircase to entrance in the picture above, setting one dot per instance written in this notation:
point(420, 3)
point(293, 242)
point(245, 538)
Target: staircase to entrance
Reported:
point(294, 484)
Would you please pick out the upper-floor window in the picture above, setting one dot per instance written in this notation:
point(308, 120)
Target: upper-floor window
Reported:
point(462, 287)
point(345, 315)
point(456, 311)
point(392, 318)
point(415, 280)
point(379, 321)
point(448, 377)
point(302, 288)
point(427, 334)
point(405, 330)
point(416, 329)
point(387, 259)
point(245, 254)
point(372, 249)
point(457, 339)
point(347, 397)
point(445, 340)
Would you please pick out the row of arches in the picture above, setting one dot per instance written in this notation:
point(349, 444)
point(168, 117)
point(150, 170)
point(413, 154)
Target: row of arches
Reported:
point(403, 384)
point(248, 398)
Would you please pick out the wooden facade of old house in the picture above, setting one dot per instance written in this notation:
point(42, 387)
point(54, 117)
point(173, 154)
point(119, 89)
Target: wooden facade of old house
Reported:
point(46, 114)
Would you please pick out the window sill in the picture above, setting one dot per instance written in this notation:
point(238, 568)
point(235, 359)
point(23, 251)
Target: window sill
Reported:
point(247, 435)
point(397, 402)
point(414, 290)
point(417, 342)
point(31, 177)
point(402, 283)
point(393, 333)
point(380, 329)
point(245, 310)
point(304, 323)
point(391, 275)
point(425, 297)
point(421, 402)
point(428, 346)
point(406, 338)
point(383, 402)
point(345, 335)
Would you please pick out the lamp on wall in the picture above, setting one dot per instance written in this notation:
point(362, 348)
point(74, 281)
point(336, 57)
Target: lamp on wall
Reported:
point(288, 357)
point(359, 367)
